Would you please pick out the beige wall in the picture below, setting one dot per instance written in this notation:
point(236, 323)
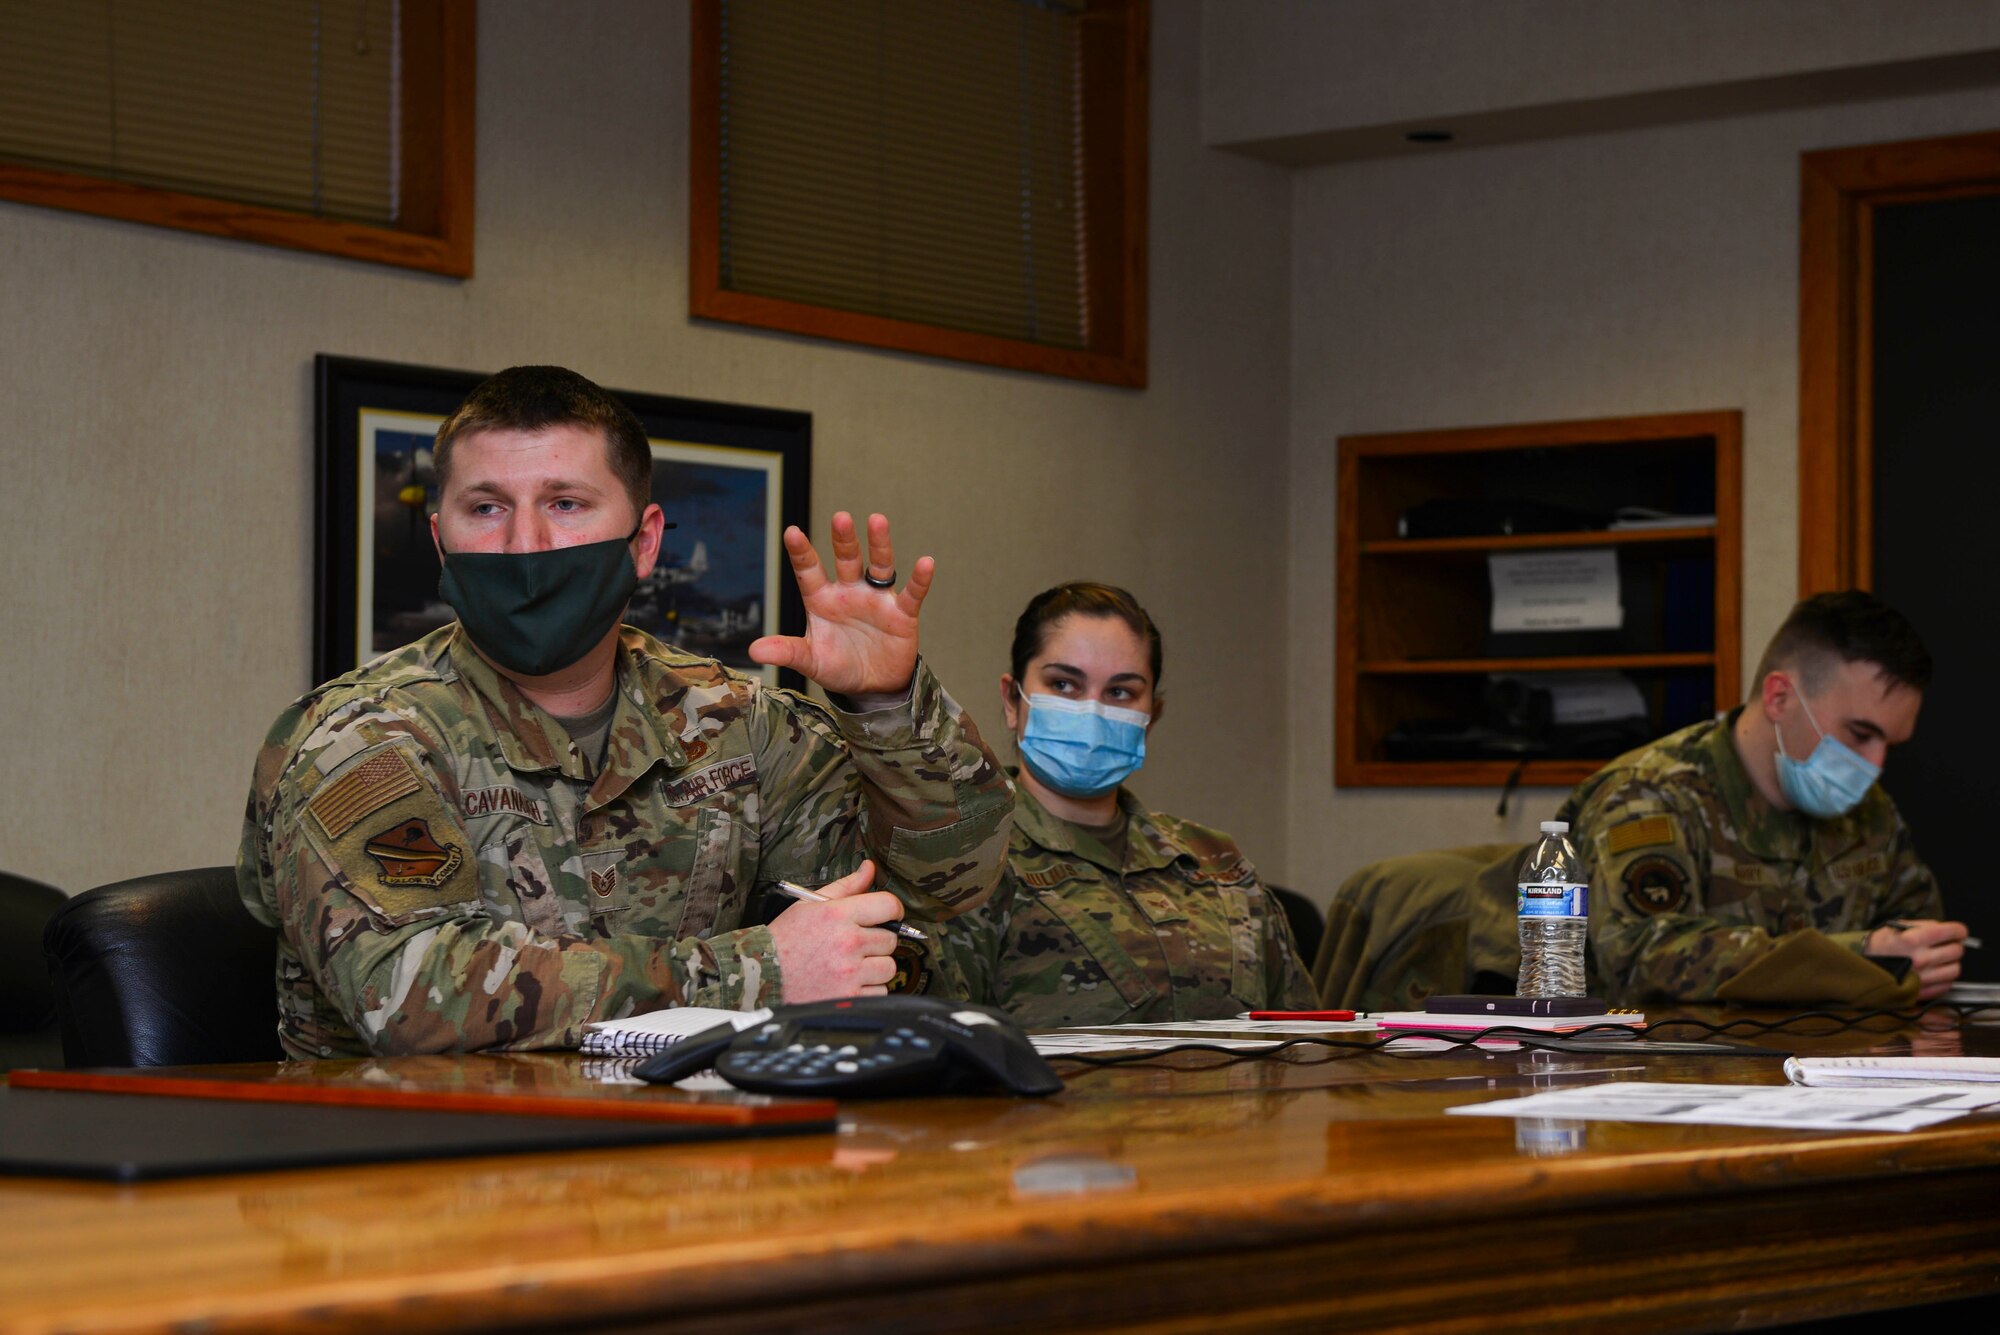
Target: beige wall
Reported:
point(1302, 79)
point(1643, 272)
point(155, 428)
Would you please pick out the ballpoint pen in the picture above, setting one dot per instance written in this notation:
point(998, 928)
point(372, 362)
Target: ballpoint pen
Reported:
point(797, 891)
point(1904, 925)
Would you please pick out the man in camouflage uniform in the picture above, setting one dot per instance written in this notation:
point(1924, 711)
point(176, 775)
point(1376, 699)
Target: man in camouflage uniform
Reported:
point(532, 819)
point(1716, 874)
point(1174, 925)
point(1707, 881)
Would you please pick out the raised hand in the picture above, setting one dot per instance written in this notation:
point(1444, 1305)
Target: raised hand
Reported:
point(839, 948)
point(861, 638)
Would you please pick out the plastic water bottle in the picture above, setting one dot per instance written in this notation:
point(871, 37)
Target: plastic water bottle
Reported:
point(1554, 912)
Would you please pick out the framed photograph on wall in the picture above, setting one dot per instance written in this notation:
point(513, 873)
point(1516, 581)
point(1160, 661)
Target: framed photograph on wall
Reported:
point(729, 477)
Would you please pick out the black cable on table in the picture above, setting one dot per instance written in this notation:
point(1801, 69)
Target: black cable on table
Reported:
point(1540, 1039)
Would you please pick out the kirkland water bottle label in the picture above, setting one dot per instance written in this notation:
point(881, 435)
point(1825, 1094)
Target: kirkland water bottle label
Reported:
point(1553, 901)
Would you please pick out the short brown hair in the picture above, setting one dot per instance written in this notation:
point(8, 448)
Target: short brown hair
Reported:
point(1080, 598)
point(1852, 627)
point(534, 398)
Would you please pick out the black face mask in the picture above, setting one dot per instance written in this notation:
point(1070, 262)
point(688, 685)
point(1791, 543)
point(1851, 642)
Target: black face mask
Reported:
point(535, 613)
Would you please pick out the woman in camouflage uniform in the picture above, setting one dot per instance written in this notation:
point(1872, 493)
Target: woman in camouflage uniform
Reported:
point(1108, 912)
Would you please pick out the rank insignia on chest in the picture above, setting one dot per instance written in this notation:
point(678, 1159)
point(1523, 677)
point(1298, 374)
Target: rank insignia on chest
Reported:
point(602, 883)
point(1655, 885)
point(409, 854)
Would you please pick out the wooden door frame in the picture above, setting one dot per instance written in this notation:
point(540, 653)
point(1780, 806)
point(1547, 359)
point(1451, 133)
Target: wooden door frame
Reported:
point(1840, 189)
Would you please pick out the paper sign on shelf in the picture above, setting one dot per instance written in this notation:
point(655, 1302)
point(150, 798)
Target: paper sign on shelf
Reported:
point(1556, 590)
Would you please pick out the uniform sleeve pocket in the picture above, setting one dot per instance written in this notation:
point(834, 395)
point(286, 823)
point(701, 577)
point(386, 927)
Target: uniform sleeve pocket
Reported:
point(940, 865)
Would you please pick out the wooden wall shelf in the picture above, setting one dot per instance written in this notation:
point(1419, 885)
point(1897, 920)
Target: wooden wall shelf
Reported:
point(1412, 644)
point(1407, 667)
point(1529, 542)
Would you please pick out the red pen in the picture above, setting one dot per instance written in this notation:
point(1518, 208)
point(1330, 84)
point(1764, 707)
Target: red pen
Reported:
point(1301, 1015)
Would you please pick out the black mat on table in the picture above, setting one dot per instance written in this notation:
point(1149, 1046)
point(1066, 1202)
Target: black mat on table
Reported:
point(139, 1137)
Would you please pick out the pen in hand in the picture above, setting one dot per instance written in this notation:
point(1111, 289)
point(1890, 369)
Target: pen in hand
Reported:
point(1904, 925)
point(797, 891)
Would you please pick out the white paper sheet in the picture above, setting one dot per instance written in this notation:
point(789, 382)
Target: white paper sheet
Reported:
point(1881, 1072)
point(1788, 1107)
point(1084, 1041)
point(1556, 590)
point(1239, 1035)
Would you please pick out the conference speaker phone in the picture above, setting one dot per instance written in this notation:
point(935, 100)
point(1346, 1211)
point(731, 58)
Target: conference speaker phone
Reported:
point(866, 1047)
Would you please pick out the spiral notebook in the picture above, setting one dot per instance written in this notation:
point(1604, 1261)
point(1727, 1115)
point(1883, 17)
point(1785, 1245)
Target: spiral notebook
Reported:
point(654, 1031)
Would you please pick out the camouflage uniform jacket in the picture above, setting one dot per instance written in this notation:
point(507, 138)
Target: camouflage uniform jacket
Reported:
point(446, 872)
point(1694, 875)
point(1181, 930)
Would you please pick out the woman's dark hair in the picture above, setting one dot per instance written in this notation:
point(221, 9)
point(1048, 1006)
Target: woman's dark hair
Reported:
point(1080, 598)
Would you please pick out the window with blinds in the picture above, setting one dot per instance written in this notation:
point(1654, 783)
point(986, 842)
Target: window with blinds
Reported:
point(960, 177)
point(302, 112)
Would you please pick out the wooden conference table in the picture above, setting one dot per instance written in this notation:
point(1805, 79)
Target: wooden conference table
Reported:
point(1301, 1193)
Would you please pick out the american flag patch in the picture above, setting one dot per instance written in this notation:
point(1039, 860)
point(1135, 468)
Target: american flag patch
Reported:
point(368, 787)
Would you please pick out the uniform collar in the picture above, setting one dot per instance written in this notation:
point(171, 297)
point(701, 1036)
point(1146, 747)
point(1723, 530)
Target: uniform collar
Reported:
point(1148, 846)
point(530, 739)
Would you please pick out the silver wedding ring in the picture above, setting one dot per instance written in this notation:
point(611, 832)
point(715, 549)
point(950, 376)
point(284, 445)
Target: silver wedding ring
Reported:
point(868, 577)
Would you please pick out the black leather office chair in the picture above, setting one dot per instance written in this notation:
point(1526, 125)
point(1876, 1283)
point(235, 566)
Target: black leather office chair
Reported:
point(165, 970)
point(1304, 919)
point(28, 1035)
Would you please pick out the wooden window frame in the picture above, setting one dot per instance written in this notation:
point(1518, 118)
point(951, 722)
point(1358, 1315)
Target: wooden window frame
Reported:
point(1840, 189)
point(437, 117)
point(1116, 64)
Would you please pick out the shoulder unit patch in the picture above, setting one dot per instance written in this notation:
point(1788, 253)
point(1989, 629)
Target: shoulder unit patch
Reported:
point(1655, 885)
point(913, 970)
point(409, 854)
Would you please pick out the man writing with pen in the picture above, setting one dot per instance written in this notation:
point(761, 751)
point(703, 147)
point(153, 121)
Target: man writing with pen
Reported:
point(1754, 858)
point(536, 817)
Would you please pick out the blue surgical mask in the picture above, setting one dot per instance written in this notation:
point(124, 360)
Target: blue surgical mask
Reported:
point(1831, 781)
point(1082, 748)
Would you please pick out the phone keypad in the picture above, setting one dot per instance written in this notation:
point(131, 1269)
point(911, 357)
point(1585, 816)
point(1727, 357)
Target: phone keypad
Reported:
point(825, 1061)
